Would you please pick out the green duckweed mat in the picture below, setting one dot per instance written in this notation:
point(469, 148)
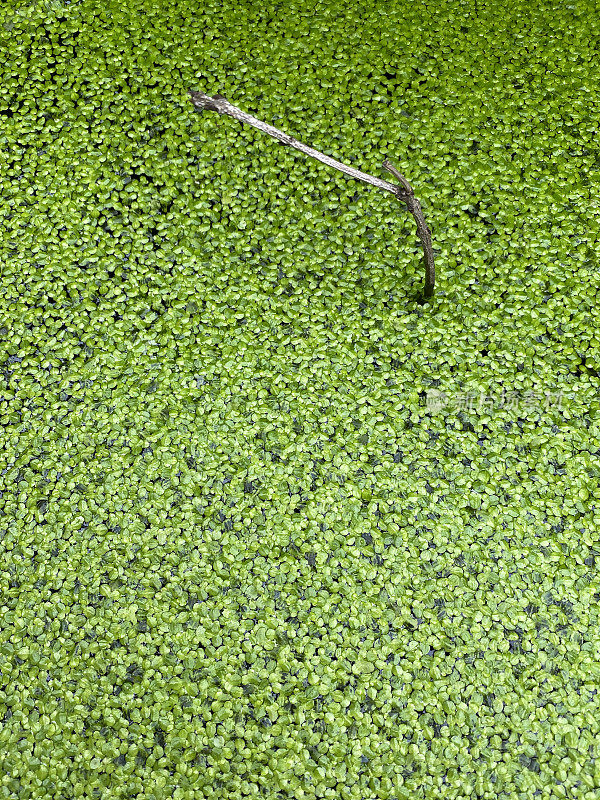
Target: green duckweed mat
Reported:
point(270, 526)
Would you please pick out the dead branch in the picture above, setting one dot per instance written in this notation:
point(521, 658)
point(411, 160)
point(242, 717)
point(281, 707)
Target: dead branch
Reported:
point(404, 192)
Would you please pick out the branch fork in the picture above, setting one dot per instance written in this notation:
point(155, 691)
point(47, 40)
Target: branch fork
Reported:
point(404, 192)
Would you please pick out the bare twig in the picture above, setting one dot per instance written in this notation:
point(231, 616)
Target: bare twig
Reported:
point(405, 193)
point(414, 207)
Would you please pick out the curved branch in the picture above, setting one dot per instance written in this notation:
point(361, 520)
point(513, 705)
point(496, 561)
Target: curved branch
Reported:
point(204, 102)
point(423, 231)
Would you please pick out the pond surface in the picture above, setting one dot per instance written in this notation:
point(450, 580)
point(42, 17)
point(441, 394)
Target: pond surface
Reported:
point(272, 526)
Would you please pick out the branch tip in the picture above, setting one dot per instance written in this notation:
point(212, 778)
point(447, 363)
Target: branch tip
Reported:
point(397, 174)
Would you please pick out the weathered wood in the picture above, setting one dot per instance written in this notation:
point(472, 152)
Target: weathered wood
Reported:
point(404, 192)
point(423, 231)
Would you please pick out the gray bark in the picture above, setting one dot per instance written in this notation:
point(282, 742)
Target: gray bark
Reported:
point(404, 192)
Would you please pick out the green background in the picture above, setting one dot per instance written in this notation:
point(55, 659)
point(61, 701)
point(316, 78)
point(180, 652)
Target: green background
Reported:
point(242, 556)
